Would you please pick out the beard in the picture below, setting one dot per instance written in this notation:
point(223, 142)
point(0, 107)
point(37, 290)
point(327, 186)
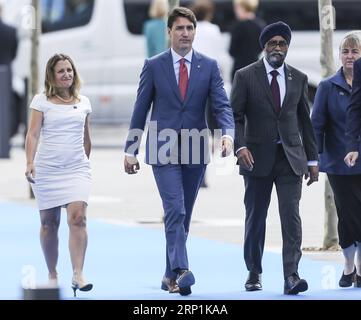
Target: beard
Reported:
point(276, 59)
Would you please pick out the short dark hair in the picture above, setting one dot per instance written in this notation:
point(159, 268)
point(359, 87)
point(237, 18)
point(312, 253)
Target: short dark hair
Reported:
point(181, 12)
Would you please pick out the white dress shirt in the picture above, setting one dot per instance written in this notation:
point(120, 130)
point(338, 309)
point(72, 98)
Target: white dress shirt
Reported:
point(280, 78)
point(176, 62)
point(188, 61)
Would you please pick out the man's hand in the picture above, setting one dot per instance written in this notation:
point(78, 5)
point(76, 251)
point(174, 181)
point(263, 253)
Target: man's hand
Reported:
point(245, 158)
point(131, 164)
point(227, 146)
point(312, 175)
point(351, 158)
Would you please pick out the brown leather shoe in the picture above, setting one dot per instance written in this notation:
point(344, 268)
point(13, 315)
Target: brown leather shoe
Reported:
point(169, 285)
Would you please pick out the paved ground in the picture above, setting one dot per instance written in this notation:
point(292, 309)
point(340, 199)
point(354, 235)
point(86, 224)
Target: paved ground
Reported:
point(117, 254)
point(134, 200)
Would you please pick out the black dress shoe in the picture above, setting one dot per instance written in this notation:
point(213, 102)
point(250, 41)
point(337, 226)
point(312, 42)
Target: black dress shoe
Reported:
point(357, 283)
point(347, 280)
point(253, 282)
point(185, 281)
point(294, 285)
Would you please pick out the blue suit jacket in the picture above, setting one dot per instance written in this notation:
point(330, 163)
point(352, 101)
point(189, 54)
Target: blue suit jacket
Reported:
point(353, 124)
point(329, 122)
point(158, 89)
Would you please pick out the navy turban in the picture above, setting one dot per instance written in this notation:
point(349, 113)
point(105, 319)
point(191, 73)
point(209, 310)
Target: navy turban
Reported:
point(275, 29)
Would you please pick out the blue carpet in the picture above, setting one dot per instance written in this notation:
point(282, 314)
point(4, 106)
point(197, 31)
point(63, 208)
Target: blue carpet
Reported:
point(127, 263)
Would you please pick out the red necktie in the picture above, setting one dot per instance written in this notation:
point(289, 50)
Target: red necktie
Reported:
point(183, 78)
point(275, 88)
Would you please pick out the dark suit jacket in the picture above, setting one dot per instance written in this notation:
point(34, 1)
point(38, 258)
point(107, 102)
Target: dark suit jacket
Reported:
point(258, 127)
point(9, 43)
point(158, 88)
point(353, 119)
point(329, 122)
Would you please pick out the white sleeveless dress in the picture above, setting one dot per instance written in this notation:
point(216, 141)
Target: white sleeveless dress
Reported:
point(62, 169)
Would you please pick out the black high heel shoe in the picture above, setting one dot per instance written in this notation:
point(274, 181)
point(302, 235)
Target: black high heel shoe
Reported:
point(347, 279)
point(82, 287)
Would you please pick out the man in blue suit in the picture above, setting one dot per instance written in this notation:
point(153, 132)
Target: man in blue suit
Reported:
point(177, 84)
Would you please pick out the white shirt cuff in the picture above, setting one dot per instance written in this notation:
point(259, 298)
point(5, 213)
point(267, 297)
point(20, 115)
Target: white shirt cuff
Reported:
point(228, 136)
point(240, 149)
point(130, 155)
point(312, 163)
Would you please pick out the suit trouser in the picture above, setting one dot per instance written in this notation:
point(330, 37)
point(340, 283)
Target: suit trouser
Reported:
point(257, 199)
point(178, 186)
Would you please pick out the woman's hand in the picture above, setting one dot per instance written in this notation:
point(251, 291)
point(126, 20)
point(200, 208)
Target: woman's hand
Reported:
point(30, 173)
point(351, 158)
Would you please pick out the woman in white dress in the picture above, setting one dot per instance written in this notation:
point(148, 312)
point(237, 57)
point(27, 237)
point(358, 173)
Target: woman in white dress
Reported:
point(59, 169)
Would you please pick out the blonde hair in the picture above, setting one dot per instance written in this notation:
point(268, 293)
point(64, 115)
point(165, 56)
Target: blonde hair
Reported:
point(351, 39)
point(158, 9)
point(50, 88)
point(248, 5)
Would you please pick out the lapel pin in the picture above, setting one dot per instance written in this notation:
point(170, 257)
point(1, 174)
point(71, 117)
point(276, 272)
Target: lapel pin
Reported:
point(75, 107)
point(289, 77)
point(198, 66)
point(341, 93)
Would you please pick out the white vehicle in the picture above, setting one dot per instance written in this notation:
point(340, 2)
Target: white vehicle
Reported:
point(104, 37)
point(108, 56)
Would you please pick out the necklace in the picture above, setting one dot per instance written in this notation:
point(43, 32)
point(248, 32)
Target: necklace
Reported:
point(65, 100)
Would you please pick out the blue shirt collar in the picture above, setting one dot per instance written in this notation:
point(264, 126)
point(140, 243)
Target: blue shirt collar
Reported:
point(339, 79)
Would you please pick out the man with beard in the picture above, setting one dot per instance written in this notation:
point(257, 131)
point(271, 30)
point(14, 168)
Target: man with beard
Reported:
point(274, 144)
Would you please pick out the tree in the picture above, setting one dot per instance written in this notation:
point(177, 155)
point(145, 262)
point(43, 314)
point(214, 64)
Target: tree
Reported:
point(327, 25)
point(34, 77)
point(34, 58)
